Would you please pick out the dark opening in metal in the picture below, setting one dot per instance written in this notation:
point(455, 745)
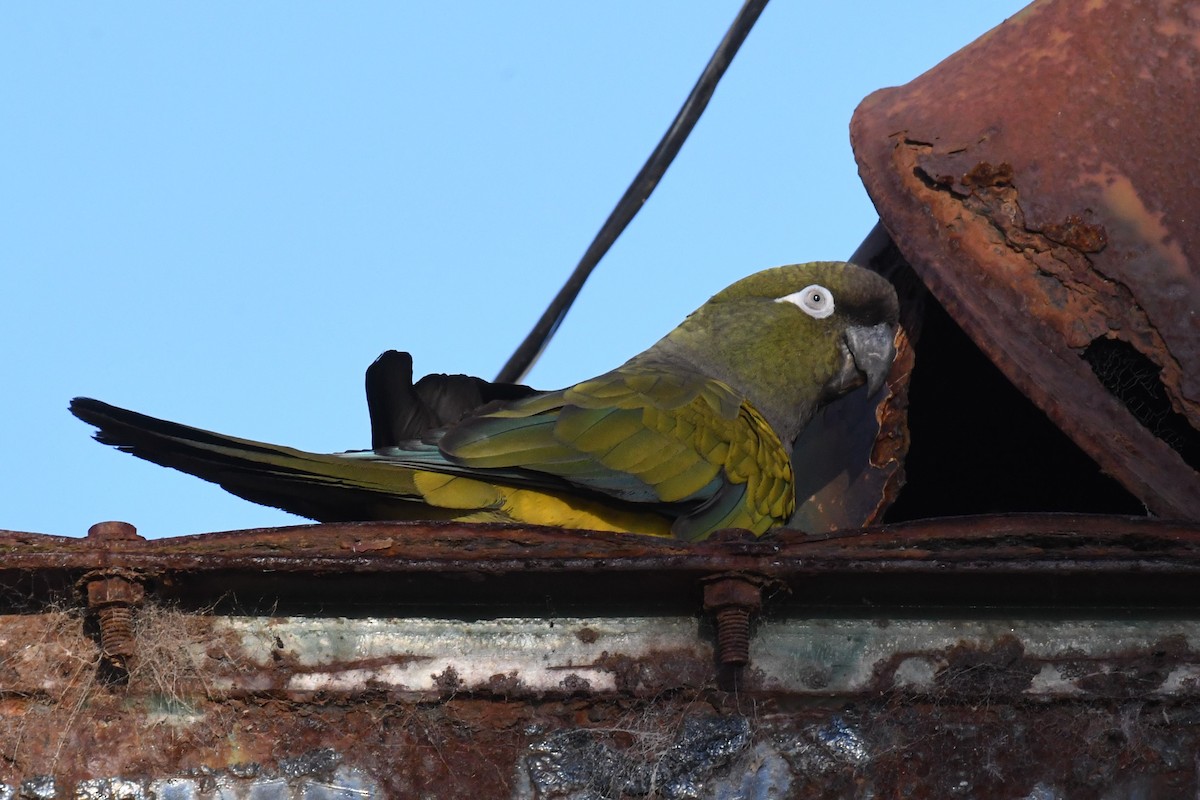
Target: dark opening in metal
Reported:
point(1136, 381)
point(979, 446)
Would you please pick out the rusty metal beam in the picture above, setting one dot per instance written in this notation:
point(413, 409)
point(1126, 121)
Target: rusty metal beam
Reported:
point(443, 564)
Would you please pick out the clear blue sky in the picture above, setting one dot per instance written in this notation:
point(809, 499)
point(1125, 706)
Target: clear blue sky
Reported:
point(220, 213)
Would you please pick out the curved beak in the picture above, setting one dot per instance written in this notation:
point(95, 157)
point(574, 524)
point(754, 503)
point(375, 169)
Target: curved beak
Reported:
point(872, 349)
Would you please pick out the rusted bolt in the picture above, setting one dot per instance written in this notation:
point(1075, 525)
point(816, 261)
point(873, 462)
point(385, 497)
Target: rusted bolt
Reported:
point(733, 599)
point(113, 596)
point(113, 593)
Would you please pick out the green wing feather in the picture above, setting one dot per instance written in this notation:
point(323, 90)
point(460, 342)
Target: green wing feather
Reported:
point(643, 435)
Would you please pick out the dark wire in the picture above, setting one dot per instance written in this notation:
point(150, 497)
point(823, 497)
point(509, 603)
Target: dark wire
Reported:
point(636, 195)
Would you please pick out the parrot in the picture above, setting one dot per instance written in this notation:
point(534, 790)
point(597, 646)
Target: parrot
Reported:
point(691, 436)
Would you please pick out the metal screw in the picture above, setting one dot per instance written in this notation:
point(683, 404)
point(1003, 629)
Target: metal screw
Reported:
point(113, 597)
point(733, 636)
point(113, 593)
point(732, 599)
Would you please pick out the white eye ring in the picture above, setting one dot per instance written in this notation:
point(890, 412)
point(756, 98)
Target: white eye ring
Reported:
point(814, 300)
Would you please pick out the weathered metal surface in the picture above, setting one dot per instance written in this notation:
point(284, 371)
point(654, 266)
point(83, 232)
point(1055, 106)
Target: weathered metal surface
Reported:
point(672, 750)
point(1036, 657)
point(980, 709)
point(1014, 558)
point(1022, 542)
point(426, 659)
point(1042, 181)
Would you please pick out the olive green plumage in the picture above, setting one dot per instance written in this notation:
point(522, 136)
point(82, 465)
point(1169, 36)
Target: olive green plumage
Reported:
point(690, 436)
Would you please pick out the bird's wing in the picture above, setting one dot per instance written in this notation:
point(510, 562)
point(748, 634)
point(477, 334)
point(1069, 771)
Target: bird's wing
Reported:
point(643, 435)
point(411, 480)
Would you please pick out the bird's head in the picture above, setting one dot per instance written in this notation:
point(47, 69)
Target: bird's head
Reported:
point(793, 338)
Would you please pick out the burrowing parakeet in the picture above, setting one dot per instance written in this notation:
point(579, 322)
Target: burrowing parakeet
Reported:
point(691, 436)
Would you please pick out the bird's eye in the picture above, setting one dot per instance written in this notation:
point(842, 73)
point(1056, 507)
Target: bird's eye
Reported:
point(814, 300)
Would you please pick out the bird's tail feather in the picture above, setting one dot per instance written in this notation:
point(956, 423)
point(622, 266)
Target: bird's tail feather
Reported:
point(327, 488)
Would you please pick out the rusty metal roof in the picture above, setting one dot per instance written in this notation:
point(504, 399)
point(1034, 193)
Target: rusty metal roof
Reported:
point(1042, 181)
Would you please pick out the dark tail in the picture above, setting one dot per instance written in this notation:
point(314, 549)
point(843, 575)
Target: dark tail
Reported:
point(327, 488)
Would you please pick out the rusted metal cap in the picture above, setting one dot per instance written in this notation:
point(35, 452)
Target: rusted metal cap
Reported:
point(1043, 183)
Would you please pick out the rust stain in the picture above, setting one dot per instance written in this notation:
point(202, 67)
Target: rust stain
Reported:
point(1002, 668)
point(1077, 234)
point(651, 674)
